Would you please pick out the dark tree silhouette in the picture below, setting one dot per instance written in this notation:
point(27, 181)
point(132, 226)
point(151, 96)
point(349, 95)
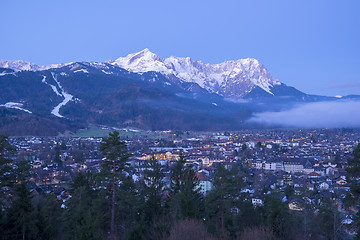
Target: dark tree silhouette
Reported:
point(115, 162)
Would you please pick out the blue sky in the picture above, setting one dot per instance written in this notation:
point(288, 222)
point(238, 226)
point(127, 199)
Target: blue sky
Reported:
point(311, 45)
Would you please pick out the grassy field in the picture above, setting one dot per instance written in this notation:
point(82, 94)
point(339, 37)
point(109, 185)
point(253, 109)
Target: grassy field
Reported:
point(94, 131)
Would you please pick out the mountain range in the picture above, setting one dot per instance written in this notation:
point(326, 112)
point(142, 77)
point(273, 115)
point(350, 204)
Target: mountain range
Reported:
point(140, 90)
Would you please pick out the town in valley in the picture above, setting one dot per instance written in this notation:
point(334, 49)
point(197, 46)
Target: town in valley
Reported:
point(303, 168)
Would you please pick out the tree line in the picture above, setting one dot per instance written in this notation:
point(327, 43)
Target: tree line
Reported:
point(111, 205)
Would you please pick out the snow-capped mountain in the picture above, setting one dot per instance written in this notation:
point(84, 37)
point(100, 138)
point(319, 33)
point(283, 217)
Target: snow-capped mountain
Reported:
point(141, 90)
point(229, 79)
point(20, 65)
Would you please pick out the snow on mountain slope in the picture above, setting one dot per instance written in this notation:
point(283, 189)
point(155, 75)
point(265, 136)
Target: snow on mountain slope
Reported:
point(67, 97)
point(230, 78)
point(20, 65)
point(15, 105)
point(52, 86)
point(7, 73)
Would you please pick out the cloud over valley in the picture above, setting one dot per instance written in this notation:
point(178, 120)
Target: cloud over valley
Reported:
point(314, 115)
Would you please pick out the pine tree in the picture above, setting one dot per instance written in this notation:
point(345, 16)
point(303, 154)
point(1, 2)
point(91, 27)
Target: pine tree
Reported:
point(222, 201)
point(82, 216)
point(177, 171)
point(57, 154)
point(115, 162)
point(6, 171)
point(353, 176)
point(13, 180)
point(128, 206)
point(153, 188)
point(48, 217)
point(277, 216)
point(20, 224)
point(185, 196)
point(189, 196)
point(152, 191)
point(21, 171)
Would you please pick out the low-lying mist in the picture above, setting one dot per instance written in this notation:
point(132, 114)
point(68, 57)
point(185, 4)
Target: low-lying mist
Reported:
point(314, 115)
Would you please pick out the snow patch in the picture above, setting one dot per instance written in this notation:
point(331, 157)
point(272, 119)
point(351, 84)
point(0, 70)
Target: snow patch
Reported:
point(20, 65)
point(106, 72)
point(15, 105)
point(67, 98)
point(52, 86)
point(98, 65)
point(7, 73)
point(81, 70)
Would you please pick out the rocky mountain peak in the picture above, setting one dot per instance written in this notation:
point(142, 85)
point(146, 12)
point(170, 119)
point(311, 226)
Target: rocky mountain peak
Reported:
point(19, 65)
point(230, 78)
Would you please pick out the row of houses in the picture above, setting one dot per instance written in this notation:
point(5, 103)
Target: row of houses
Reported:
point(297, 165)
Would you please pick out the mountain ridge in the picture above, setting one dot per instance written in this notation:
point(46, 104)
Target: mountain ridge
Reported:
point(228, 79)
point(81, 94)
point(146, 92)
point(243, 75)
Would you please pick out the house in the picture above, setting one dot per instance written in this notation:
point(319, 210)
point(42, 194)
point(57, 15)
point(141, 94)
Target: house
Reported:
point(341, 181)
point(324, 186)
point(329, 171)
point(64, 195)
point(257, 201)
point(205, 185)
point(310, 187)
point(298, 190)
point(248, 189)
point(345, 187)
point(329, 164)
point(250, 144)
point(308, 166)
point(273, 166)
point(270, 166)
point(296, 205)
point(319, 170)
point(205, 161)
point(308, 170)
point(258, 164)
point(314, 175)
point(298, 182)
point(293, 166)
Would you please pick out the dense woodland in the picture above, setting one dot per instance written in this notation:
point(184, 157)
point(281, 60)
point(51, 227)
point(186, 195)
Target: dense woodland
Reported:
point(110, 205)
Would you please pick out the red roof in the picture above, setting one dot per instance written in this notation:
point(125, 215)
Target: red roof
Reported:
point(201, 176)
point(210, 168)
point(314, 174)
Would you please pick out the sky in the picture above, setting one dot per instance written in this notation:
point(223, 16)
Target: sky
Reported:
point(311, 45)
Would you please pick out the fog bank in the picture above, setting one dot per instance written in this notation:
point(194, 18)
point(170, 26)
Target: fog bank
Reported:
point(314, 115)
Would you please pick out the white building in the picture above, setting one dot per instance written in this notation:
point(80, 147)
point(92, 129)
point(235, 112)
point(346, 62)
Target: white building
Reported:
point(293, 167)
point(204, 185)
point(257, 201)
